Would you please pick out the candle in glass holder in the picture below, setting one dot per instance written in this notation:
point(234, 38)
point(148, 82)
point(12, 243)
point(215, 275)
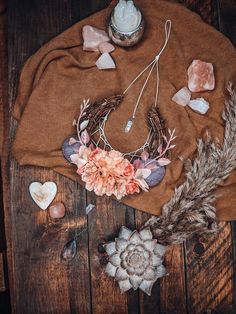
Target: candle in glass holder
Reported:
point(126, 24)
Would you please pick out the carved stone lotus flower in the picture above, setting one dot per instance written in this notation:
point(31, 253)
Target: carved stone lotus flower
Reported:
point(135, 260)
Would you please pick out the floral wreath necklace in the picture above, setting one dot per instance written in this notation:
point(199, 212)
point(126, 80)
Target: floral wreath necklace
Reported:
point(107, 171)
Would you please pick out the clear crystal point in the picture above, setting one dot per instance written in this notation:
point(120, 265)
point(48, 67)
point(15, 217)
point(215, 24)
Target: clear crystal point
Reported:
point(129, 125)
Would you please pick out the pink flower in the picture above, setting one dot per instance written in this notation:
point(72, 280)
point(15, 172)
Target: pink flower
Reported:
point(120, 188)
point(81, 158)
point(116, 156)
point(106, 172)
point(93, 153)
point(97, 173)
point(138, 164)
point(129, 170)
point(132, 187)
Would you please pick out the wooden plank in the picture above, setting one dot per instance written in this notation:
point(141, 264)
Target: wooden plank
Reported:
point(4, 288)
point(148, 304)
point(227, 18)
point(169, 293)
point(210, 273)
point(88, 7)
point(2, 274)
point(207, 9)
point(40, 281)
point(3, 67)
point(104, 223)
point(173, 289)
point(233, 226)
point(3, 103)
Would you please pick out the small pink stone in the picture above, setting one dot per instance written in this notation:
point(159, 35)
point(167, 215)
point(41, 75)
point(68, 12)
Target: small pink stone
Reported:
point(201, 76)
point(93, 37)
point(57, 210)
point(106, 47)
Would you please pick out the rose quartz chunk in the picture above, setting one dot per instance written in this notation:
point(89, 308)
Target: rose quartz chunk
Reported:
point(106, 47)
point(57, 210)
point(105, 62)
point(201, 76)
point(182, 97)
point(93, 37)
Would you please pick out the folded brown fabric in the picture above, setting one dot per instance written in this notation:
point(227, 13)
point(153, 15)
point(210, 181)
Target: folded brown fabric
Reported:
point(60, 75)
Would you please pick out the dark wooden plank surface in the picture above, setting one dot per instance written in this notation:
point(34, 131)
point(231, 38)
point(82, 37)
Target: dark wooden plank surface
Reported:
point(209, 270)
point(40, 281)
point(201, 272)
point(4, 290)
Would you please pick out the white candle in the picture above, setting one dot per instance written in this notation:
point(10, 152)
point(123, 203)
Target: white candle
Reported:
point(127, 17)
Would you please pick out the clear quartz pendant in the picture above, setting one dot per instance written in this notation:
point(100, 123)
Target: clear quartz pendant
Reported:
point(129, 125)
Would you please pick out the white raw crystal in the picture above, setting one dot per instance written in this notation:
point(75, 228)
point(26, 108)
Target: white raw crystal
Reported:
point(200, 105)
point(126, 16)
point(182, 97)
point(89, 208)
point(105, 62)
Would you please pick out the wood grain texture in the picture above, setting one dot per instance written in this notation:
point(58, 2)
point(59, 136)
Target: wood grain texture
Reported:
point(207, 9)
point(169, 290)
point(209, 272)
point(2, 275)
point(3, 67)
point(40, 281)
point(201, 275)
point(227, 18)
point(104, 224)
point(5, 307)
point(4, 289)
point(149, 304)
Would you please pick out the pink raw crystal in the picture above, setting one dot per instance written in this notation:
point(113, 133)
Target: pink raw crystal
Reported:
point(93, 37)
point(106, 47)
point(201, 76)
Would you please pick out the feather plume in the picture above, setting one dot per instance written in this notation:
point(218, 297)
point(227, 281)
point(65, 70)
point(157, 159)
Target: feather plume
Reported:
point(191, 209)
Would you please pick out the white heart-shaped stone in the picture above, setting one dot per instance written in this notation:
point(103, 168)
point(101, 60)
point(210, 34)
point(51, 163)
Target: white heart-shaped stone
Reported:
point(43, 194)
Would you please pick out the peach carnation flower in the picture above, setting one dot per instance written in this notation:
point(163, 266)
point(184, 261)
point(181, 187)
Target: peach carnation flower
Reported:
point(132, 187)
point(129, 170)
point(106, 172)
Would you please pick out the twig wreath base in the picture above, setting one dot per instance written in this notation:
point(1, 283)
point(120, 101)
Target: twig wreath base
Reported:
point(107, 171)
point(135, 258)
